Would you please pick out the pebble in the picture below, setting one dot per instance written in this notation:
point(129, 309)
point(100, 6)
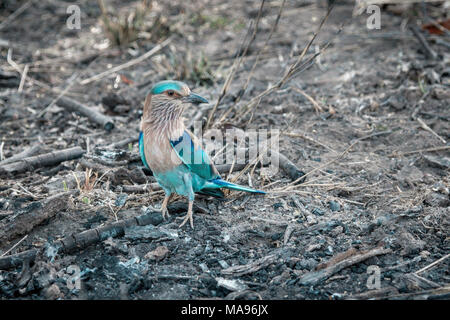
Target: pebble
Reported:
point(334, 206)
point(52, 292)
point(158, 254)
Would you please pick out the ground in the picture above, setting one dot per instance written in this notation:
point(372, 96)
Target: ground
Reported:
point(367, 123)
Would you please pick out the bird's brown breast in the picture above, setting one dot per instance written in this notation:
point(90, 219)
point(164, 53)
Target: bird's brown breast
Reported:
point(159, 153)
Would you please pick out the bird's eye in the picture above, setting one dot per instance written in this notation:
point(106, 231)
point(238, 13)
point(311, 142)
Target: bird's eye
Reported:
point(170, 93)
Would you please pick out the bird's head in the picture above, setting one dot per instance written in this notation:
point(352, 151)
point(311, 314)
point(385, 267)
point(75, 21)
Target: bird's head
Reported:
point(167, 100)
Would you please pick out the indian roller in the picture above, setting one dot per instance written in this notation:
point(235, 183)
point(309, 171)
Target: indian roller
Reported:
point(174, 154)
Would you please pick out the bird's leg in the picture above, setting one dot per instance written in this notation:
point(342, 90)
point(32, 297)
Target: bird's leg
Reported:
point(164, 210)
point(189, 215)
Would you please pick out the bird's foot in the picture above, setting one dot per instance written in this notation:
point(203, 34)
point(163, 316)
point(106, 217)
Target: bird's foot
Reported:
point(188, 216)
point(164, 210)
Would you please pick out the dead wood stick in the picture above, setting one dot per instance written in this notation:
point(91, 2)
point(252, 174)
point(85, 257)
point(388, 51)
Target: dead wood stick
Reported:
point(24, 154)
point(39, 211)
point(315, 277)
point(93, 115)
point(16, 260)
point(371, 294)
point(278, 158)
point(140, 188)
point(415, 281)
point(83, 239)
point(43, 160)
point(251, 267)
point(289, 167)
point(441, 292)
point(428, 50)
point(124, 142)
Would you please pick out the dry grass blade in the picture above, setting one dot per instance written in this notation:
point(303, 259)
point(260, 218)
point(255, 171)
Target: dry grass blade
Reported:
point(290, 185)
point(237, 62)
point(293, 70)
point(250, 75)
point(316, 105)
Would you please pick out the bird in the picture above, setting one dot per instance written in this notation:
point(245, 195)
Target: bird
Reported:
point(173, 153)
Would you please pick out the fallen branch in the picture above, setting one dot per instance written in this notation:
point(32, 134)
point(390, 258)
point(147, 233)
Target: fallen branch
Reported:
point(24, 154)
point(43, 160)
point(17, 225)
point(428, 50)
point(289, 168)
point(81, 240)
point(315, 277)
point(91, 114)
point(251, 267)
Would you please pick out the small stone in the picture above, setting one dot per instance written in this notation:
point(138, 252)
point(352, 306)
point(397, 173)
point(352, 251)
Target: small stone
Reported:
point(276, 236)
point(142, 233)
point(223, 264)
point(435, 199)
point(121, 199)
point(307, 264)
point(158, 254)
point(313, 247)
point(334, 206)
point(52, 292)
point(425, 254)
point(337, 231)
point(231, 284)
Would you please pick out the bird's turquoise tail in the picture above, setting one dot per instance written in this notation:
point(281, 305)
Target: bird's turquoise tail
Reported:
point(228, 185)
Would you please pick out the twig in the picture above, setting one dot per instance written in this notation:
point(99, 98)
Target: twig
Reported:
point(129, 63)
point(428, 50)
point(293, 70)
point(250, 75)
point(83, 239)
point(24, 154)
point(14, 246)
point(432, 264)
point(54, 101)
point(299, 135)
point(393, 154)
point(237, 62)
point(95, 116)
point(319, 168)
point(307, 96)
point(1, 151)
point(22, 79)
point(315, 277)
point(426, 127)
point(16, 13)
point(43, 160)
point(251, 267)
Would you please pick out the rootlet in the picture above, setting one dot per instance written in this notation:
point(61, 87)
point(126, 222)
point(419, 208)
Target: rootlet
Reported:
point(234, 309)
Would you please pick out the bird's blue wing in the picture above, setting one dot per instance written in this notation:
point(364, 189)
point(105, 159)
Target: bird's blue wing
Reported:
point(194, 157)
point(141, 149)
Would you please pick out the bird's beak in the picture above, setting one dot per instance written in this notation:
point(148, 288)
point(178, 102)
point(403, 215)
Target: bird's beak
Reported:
point(196, 99)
